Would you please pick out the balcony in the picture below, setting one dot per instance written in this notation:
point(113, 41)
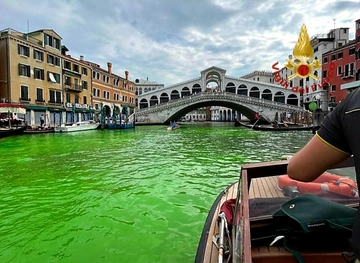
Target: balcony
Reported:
point(24, 100)
point(73, 87)
point(40, 101)
point(54, 103)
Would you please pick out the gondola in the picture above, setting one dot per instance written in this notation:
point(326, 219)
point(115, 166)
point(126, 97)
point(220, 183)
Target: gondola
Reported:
point(278, 127)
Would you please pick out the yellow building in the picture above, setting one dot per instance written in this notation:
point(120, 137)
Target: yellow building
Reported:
point(35, 71)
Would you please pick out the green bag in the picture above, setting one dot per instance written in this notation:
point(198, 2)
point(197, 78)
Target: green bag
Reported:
point(308, 218)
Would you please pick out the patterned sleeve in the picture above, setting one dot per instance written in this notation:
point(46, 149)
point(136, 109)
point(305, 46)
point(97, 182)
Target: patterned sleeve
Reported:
point(331, 129)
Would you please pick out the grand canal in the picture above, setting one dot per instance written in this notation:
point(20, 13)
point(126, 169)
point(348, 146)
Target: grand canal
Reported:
point(137, 195)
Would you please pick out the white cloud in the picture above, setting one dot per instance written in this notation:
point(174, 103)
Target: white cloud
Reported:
point(170, 41)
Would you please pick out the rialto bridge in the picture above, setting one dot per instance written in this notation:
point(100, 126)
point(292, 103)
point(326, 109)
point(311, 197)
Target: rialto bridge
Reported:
point(242, 95)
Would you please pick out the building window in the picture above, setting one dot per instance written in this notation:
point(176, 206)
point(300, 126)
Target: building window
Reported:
point(24, 70)
point(84, 100)
point(67, 65)
point(24, 93)
point(325, 59)
point(38, 73)
point(54, 77)
point(340, 55)
point(67, 81)
point(333, 57)
point(52, 41)
point(104, 94)
point(332, 99)
point(68, 97)
point(346, 70)
point(351, 51)
point(55, 96)
point(325, 73)
point(84, 84)
point(339, 71)
point(76, 68)
point(39, 95)
point(77, 99)
point(53, 60)
point(23, 50)
point(84, 71)
point(333, 88)
point(98, 93)
point(38, 55)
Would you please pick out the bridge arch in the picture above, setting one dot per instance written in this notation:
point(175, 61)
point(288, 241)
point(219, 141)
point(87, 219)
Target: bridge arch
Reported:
point(154, 100)
point(164, 97)
point(185, 92)
point(254, 92)
point(196, 89)
point(174, 95)
point(143, 104)
point(292, 99)
point(266, 94)
point(230, 87)
point(279, 97)
point(242, 90)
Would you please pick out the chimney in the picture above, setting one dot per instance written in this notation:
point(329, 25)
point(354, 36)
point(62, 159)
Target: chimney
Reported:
point(127, 75)
point(81, 58)
point(109, 67)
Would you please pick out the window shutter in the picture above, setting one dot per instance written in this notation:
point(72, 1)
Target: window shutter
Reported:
point(19, 69)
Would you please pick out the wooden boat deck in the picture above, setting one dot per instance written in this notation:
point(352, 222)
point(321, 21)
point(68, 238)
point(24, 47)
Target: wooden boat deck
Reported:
point(265, 187)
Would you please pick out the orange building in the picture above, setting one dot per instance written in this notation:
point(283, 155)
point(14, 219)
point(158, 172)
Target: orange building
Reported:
point(111, 94)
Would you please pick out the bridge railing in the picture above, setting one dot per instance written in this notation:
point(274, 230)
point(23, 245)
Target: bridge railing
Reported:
point(225, 95)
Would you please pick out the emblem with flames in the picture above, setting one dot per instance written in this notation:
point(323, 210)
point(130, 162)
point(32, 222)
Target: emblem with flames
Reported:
point(302, 53)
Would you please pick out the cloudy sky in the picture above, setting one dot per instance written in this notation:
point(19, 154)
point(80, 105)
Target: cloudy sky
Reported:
point(170, 41)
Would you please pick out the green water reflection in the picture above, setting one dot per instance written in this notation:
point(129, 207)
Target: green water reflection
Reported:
point(121, 196)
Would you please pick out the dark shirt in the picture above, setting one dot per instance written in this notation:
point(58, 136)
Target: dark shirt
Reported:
point(341, 129)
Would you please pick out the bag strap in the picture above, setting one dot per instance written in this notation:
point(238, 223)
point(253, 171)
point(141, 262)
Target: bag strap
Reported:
point(295, 253)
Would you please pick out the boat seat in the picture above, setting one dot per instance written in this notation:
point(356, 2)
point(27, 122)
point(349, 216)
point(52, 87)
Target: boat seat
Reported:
point(278, 254)
point(262, 235)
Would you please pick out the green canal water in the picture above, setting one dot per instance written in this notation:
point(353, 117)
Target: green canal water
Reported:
point(137, 195)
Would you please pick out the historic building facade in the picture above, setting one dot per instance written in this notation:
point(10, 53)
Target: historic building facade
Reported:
point(36, 71)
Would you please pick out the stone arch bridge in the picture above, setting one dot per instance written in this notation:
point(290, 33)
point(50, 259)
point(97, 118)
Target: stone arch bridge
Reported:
point(246, 105)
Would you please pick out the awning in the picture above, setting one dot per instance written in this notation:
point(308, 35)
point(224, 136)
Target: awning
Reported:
point(82, 110)
point(30, 107)
point(11, 107)
point(56, 109)
point(52, 78)
point(71, 73)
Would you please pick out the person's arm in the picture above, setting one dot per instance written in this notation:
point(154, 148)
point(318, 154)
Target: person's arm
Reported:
point(315, 158)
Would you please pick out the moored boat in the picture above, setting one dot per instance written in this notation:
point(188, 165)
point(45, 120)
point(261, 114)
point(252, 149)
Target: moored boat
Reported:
point(241, 228)
point(278, 127)
point(10, 121)
point(77, 126)
point(38, 130)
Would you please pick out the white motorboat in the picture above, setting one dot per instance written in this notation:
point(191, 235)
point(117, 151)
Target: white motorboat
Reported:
point(77, 126)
